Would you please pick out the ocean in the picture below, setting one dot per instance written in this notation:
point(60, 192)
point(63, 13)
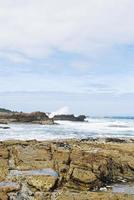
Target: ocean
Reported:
point(93, 128)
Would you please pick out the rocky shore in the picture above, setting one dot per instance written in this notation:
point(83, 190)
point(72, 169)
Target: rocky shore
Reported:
point(65, 170)
point(20, 117)
point(36, 118)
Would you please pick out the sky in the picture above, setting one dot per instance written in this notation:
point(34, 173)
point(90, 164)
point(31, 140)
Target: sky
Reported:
point(73, 54)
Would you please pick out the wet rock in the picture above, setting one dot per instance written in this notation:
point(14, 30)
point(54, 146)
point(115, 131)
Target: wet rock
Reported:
point(118, 140)
point(34, 117)
point(4, 127)
point(80, 118)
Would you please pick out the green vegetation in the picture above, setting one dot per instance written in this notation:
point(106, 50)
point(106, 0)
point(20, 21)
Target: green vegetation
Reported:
point(5, 110)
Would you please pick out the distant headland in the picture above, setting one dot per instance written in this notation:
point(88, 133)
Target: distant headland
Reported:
point(8, 116)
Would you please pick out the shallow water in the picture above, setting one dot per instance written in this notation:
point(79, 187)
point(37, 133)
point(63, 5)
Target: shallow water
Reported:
point(8, 184)
point(48, 171)
point(123, 188)
point(94, 127)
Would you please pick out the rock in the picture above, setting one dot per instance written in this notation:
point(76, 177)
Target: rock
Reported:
point(44, 122)
point(34, 117)
point(68, 195)
point(32, 157)
point(42, 196)
point(3, 196)
point(84, 176)
point(3, 169)
point(23, 194)
point(3, 121)
point(80, 118)
point(4, 152)
point(78, 167)
point(9, 187)
point(42, 183)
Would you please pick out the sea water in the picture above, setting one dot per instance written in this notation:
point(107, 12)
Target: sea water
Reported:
point(96, 127)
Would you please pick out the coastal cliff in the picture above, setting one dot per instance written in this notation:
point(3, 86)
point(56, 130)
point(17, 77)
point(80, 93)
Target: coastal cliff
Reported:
point(65, 170)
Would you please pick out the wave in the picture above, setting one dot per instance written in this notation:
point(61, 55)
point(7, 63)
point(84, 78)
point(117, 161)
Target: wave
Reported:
point(94, 127)
point(62, 111)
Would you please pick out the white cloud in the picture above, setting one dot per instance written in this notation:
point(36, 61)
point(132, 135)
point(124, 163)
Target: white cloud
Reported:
point(36, 28)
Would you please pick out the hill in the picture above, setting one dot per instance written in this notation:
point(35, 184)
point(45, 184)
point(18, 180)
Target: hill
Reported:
point(5, 110)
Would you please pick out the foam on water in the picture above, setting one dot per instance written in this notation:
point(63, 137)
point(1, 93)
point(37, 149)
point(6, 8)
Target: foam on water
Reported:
point(94, 127)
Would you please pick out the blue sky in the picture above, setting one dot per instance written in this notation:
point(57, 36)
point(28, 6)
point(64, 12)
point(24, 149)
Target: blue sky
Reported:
point(75, 54)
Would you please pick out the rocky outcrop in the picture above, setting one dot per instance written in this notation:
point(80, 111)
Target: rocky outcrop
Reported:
point(80, 118)
point(34, 117)
point(64, 170)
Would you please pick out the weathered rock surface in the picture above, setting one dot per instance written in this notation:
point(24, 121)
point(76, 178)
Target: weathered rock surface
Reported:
point(92, 196)
point(42, 183)
point(64, 170)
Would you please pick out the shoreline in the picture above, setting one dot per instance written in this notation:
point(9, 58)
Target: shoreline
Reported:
point(65, 169)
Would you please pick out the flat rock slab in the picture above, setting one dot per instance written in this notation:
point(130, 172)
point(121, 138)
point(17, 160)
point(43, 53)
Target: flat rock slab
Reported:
point(32, 157)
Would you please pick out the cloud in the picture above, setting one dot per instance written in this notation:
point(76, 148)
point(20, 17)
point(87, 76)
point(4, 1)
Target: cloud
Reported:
point(75, 53)
point(36, 29)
